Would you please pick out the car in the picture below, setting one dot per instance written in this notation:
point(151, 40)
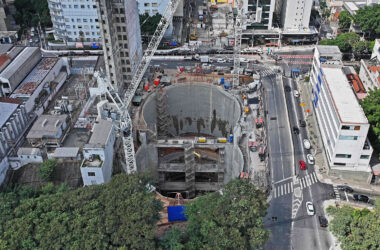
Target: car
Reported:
point(296, 93)
point(310, 208)
point(345, 188)
point(30, 40)
point(302, 123)
point(296, 130)
point(306, 143)
point(244, 60)
point(360, 197)
point(288, 88)
point(310, 159)
point(302, 165)
point(205, 65)
point(323, 222)
point(221, 60)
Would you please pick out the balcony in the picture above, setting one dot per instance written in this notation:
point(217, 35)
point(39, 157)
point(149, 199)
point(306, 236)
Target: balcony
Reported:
point(93, 162)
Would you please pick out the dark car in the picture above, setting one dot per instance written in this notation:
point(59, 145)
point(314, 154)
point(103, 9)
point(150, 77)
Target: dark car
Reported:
point(302, 124)
point(323, 222)
point(296, 130)
point(345, 188)
point(288, 88)
point(360, 197)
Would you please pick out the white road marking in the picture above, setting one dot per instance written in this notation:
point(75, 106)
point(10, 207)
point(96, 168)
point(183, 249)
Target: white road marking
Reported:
point(346, 195)
point(291, 187)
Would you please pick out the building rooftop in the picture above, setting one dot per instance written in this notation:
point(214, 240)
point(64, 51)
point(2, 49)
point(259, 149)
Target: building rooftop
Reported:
point(18, 62)
point(46, 126)
point(4, 48)
point(345, 102)
point(6, 110)
point(34, 79)
point(66, 152)
point(328, 49)
point(100, 134)
point(28, 151)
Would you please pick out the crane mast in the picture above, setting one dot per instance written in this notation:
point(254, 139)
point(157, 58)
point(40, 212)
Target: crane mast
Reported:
point(238, 29)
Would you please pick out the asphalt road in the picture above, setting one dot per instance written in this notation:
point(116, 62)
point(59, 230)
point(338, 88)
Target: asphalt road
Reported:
point(280, 160)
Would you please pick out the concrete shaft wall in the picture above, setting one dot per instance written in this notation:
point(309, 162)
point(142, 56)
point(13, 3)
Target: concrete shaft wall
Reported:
point(196, 108)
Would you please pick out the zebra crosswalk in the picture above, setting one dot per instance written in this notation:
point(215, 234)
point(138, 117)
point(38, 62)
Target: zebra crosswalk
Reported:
point(284, 188)
point(267, 72)
point(337, 194)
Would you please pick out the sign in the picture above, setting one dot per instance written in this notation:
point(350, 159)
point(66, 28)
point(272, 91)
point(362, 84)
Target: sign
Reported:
point(302, 104)
point(308, 110)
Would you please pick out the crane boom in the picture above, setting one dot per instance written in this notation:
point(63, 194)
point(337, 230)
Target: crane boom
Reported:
point(122, 104)
point(237, 49)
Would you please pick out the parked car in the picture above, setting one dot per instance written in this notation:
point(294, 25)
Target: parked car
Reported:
point(244, 60)
point(221, 60)
point(323, 222)
point(360, 197)
point(302, 123)
point(296, 93)
point(302, 165)
point(310, 208)
point(310, 159)
point(296, 130)
point(306, 143)
point(345, 188)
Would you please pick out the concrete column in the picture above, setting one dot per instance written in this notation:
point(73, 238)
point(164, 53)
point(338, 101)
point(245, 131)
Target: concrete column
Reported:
point(21, 118)
point(10, 131)
point(15, 127)
point(6, 133)
point(23, 111)
point(2, 148)
point(19, 122)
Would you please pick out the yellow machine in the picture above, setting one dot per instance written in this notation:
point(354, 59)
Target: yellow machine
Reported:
point(221, 140)
point(193, 36)
point(246, 110)
point(201, 139)
point(197, 154)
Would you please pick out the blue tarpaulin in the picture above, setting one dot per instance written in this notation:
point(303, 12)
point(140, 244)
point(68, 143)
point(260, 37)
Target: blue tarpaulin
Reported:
point(95, 45)
point(319, 80)
point(176, 213)
point(295, 70)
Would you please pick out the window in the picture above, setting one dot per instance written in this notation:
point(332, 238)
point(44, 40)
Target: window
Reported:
point(146, 4)
point(348, 137)
point(345, 127)
point(91, 173)
point(154, 4)
point(343, 156)
point(339, 164)
point(364, 157)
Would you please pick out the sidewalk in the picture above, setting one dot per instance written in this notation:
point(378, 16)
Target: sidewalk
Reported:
point(321, 167)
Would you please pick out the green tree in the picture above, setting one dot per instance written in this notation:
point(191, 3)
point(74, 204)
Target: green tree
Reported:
point(344, 19)
point(122, 213)
point(172, 240)
point(346, 40)
point(30, 12)
point(371, 107)
point(149, 23)
point(368, 18)
point(46, 170)
point(362, 47)
point(231, 220)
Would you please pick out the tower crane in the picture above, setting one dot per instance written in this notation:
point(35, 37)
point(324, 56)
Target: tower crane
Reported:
point(237, 37)
point(125, 123)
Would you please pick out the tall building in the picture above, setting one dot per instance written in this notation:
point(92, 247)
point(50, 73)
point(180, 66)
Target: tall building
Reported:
point(341, 119)
point(370, 69)
point(259, 13)
point(121, 36)
point(296, 14)
point(75, 21)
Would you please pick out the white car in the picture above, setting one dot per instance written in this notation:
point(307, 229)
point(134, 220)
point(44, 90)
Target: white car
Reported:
point(310, 208)
point(206, 65)
point(296, 93)
point(245, 60)
point(221, 60)
point(306, 143)
point(310, 159)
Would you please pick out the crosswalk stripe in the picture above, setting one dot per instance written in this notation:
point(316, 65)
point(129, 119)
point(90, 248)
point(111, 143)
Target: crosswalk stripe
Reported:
point(315, 176)
point(286, 188)
point(301, 183)
point(278, 191)
point(274, 193)
point(282, 189)
point(291, 187)
point(308, 180)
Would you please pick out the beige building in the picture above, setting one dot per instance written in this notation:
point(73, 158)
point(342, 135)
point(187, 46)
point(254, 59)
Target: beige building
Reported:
point(121, 37)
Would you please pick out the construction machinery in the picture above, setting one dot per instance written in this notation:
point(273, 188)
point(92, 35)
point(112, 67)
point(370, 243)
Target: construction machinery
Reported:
point(193, 36)
point(122, 103)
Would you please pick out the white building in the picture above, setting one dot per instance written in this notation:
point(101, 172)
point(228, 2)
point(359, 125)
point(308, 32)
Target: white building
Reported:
point(75, 21)
point(152, 7)
point(341, 119)
point(259, 14)
point(96, 167)
point(370, 69)
point(296, 14)
point(120, 29)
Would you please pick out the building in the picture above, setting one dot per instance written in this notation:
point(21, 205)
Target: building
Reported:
point(48, 131)
point(296, 14)
point(75, 21)
point(13, 123)
point(353, 6)
point(259, 13)
point(28, 155)
point(370, 69)
point(18, 69)
point(66, 154)
point(120, 29)
point(341, 119)
point(96, 167)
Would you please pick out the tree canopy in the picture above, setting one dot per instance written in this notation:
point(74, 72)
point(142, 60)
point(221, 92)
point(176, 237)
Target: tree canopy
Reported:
point(231, 220)
point(356, 228)
point(149, 23)
point(46, 170)
point(368, 18)
point(121, 213)
point(344, 41)
point(371, 107)
point(29, 12)
point(344, 20)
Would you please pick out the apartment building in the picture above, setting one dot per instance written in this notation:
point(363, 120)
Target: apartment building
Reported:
point(370, 69)
point(121, 37)
point(296, 14)
point(259, 14)
point(75, 21)
point(341, 119)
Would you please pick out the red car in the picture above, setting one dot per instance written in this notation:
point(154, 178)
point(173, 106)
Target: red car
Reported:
point(302, 165)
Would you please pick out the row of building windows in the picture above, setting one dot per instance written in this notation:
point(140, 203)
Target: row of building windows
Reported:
point(86, 33)
point(348, 156)
point(81, 27)
point(75, 6)
point(80, 20)
point(148, 4)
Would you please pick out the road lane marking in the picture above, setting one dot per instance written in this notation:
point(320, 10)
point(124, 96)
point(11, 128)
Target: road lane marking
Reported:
point(291, 187)
point(346, 195)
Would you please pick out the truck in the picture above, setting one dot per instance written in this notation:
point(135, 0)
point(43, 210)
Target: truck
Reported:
point(200, 13)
